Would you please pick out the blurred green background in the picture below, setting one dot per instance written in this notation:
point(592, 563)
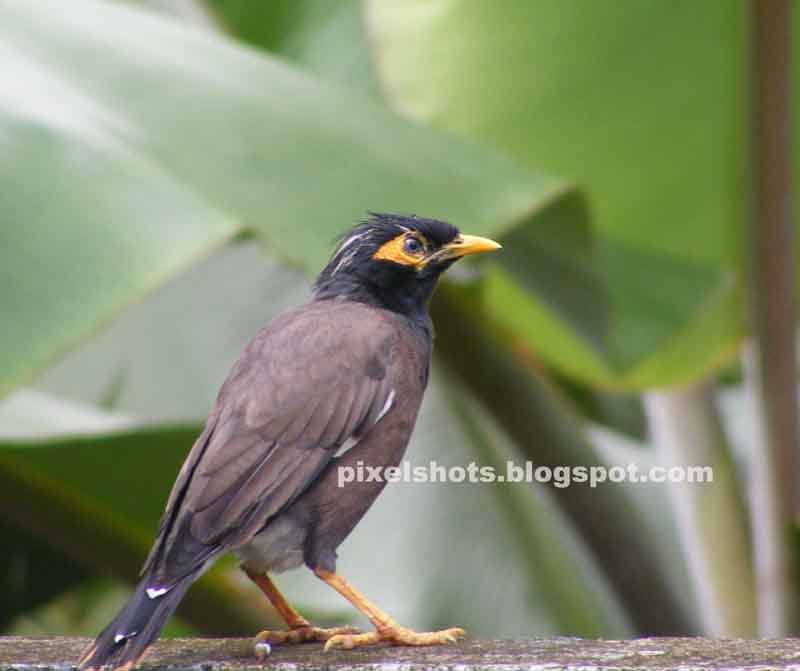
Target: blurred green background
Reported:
point(173, 173)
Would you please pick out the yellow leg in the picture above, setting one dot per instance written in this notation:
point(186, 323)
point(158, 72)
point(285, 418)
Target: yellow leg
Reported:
point(300, 630)
point(386, 629)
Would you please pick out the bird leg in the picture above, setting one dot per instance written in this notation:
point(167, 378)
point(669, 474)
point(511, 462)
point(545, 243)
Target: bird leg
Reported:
point(386, 629)
point(300, 629)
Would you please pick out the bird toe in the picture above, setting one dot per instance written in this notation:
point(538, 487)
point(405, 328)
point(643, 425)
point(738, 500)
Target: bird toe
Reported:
point(350, 641)
point(403, 636)
point(302, 635)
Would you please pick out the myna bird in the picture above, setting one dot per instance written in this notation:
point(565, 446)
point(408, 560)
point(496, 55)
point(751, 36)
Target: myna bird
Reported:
point(329, 384)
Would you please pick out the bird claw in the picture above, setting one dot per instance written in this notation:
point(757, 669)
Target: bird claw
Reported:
point(454, 636)
point(396, 636)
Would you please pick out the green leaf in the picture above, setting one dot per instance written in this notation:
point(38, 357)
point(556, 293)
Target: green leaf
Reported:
point(327, 38)
point(165, 358)
point(30, 577)
point(560, 567)
point(168, 141)
point(635, 103)
point(97, 497)
point(554, 260)
point(626, 352)
point(508, 378)
point(83, 610)
point(553, 266)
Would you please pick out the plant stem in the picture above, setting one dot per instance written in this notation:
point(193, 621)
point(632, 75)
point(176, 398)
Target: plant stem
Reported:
point(711, 517)
point(770, 369)
point(95, 540)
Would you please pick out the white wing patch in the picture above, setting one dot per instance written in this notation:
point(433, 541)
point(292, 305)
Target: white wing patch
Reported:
point(123, 637)
point(386, 406)
point(155, 592)
point(352, 441)
point(346, 446)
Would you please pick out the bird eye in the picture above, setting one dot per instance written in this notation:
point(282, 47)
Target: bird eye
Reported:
point(412, 246)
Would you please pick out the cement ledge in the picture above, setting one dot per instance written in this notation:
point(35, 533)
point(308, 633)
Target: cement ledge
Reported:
point(572, 654)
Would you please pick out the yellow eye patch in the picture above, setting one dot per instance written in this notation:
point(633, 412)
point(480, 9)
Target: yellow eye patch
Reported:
point(396, 251)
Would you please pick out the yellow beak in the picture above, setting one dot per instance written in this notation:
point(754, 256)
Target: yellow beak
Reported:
point(464, 245)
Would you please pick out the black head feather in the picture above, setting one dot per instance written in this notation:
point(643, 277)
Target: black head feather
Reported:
point(353, 272)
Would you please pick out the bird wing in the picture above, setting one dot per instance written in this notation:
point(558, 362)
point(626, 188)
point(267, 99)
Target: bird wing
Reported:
point(307, 383)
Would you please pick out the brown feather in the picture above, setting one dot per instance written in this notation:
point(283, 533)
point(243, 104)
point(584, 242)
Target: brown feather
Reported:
point(303, 386)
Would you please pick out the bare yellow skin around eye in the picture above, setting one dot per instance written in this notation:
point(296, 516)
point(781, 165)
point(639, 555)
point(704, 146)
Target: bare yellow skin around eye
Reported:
point(394, 251)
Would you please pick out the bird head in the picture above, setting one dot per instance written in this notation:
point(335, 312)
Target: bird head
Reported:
point(394, 261)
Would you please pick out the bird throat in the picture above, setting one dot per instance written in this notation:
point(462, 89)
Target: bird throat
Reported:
point(409, 298)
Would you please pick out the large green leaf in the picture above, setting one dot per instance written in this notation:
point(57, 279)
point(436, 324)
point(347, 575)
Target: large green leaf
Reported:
point(324, 37)
point(84, 609)
point(95, 494)
point(508, 378)
point(166, 357)
point(82, 482)
point(553, 262)
point(168, 141)
point(633, 101)
point(30, 577)
point(561, 576)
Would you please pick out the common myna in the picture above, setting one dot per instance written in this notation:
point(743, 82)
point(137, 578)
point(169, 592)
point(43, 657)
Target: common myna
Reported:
point(332, 383)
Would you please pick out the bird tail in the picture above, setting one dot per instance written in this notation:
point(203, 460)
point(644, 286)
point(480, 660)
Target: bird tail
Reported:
point(123, 642)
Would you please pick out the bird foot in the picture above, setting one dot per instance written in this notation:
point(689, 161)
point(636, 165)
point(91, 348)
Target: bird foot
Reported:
point(396, 635)
point(302, 634)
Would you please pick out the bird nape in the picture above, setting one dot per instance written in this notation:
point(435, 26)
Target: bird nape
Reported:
point(324, 386)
